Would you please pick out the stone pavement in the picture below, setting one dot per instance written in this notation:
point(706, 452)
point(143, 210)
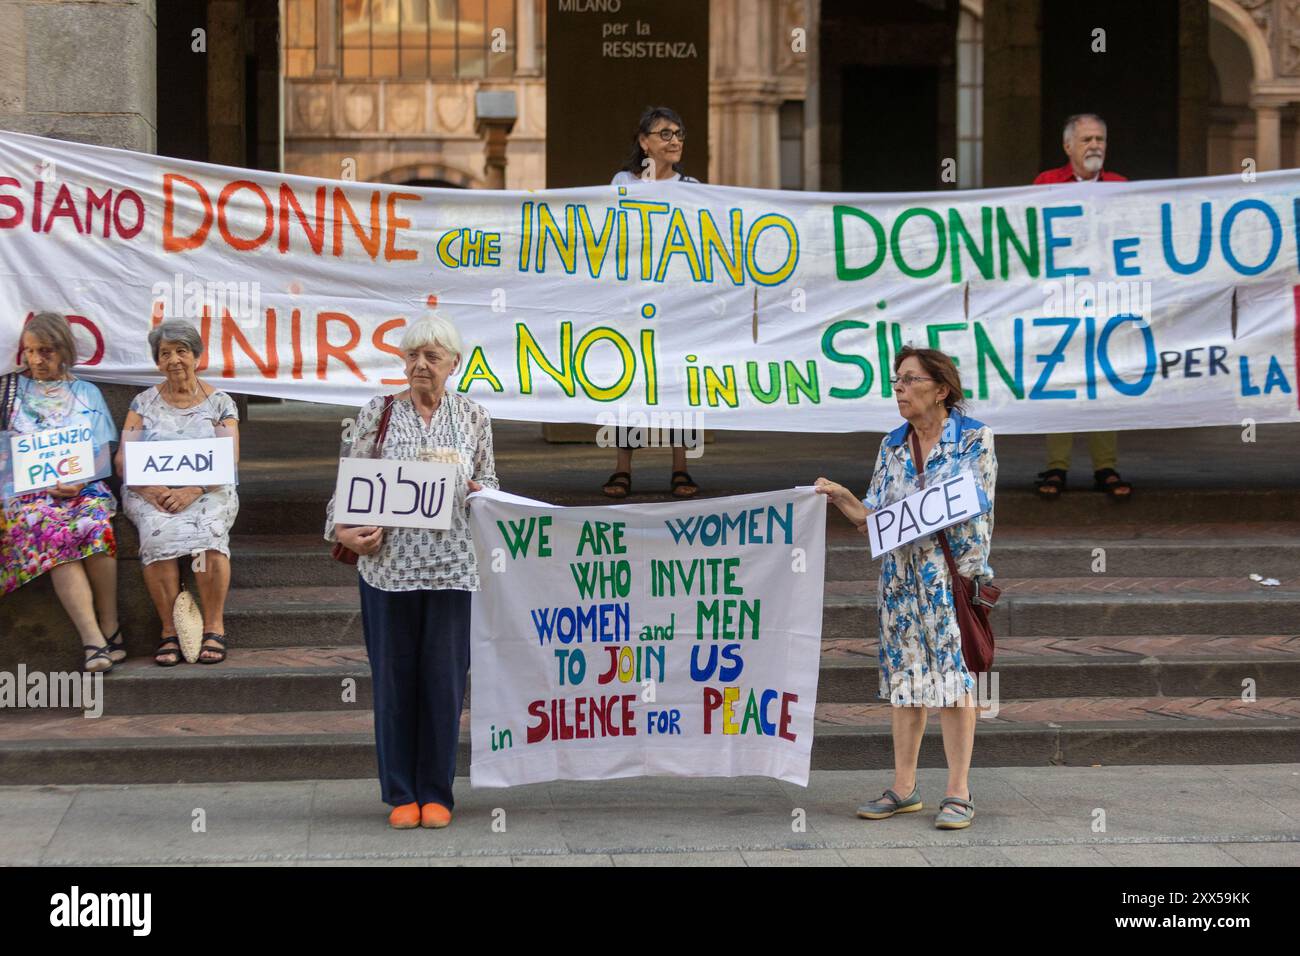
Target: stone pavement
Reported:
point(1226, 816)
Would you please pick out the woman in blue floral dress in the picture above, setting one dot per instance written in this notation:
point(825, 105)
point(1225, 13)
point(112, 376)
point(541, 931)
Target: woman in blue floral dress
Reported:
point(921, 663)
point(65, 530)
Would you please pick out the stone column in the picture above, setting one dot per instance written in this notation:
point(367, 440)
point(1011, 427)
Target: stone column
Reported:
point(327, 38)
point(80, 71)
point(1193, 86)
point(1012, 98)
point(225, 82)
point(744, 95)
point(812, 100)
point(1268, 137)
point(526, 39)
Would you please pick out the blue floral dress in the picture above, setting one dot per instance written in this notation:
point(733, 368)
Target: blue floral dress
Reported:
point(920, 643)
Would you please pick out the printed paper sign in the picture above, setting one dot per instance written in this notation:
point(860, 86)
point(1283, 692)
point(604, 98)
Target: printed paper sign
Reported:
point(931, 509)
point(194, 461)
point(395, 494)
point(57, 456)
point(676, 638)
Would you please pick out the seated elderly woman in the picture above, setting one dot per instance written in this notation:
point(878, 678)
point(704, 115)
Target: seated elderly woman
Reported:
point(65, 529)
point(183, 522)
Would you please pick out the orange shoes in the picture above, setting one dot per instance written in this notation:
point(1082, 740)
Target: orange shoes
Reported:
point(434, 816)
point(405, 817)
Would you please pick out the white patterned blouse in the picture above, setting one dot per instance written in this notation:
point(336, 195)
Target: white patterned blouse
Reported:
point(414, 559)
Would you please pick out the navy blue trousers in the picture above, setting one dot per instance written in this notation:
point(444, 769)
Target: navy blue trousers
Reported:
point(418, 642)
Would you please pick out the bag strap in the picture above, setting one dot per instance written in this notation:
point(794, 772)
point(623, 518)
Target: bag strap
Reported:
point(8, 399)
point(943, 538)
point(383, 427)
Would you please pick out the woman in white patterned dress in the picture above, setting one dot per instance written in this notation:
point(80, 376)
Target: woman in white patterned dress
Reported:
point(415, 583)
point(921, 663)
point(190, 522)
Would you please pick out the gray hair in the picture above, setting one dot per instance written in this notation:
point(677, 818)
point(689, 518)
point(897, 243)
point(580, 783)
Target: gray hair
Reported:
point(433, 329)
point(52, 329)
point(176, 330)
point(1068, 133)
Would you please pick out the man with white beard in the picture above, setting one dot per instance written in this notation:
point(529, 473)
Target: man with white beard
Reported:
point(1085, 147)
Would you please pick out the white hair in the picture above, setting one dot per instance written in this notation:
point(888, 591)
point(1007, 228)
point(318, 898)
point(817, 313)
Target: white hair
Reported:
point(1068, 133)
point(435, 330)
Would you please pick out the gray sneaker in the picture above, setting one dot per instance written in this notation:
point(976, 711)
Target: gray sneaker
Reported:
point(889, 804)
point(955, 813)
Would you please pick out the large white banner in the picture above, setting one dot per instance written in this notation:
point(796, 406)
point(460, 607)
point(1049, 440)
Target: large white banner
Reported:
point(1075, 307)
point(618, 641)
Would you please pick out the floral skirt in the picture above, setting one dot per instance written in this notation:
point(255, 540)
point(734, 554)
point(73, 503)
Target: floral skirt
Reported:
point(41, 532)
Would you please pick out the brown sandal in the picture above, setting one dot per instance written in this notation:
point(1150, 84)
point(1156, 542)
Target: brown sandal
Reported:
point(173, 653)
point(681, 481)
point(220, 639)
point(619, 485)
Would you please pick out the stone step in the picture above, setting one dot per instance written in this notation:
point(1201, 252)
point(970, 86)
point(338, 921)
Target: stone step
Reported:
point(36, 631)
point(268, 511)
point(269, 680)
point(1217, 550)
point(57, 749)
point(1061, 607)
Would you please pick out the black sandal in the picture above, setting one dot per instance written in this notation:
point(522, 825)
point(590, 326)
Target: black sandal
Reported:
point(99, 652)
point(220, 639)
point(163, 649)
point(1102, 481)
point(680, 480)
point(1053, 478)
point(116, 643)
point(620, 480)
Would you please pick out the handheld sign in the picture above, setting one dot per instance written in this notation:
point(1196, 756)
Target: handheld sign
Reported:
point(932, 509)
point(58, 455)
point(395, 494)
point(194, 461)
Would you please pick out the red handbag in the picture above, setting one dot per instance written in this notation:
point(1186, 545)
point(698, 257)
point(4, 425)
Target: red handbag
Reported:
point(341, 552)
point(971, 599)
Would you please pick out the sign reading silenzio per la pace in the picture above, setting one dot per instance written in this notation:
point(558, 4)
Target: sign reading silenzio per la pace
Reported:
point(1076, 307)
point(57, 455)
point(677, 638)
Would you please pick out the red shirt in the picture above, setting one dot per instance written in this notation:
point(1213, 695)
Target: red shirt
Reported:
point(1065, 174)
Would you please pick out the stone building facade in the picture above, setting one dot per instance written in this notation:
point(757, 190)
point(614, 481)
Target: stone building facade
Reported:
point(290, 83)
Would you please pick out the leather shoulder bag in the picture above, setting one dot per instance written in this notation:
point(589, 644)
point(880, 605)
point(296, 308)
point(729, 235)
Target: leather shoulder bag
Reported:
point(971, 599)
point(340, 552)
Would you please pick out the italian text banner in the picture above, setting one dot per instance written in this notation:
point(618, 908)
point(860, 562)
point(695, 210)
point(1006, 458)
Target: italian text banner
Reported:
point(679, 639)
point(1076, 307)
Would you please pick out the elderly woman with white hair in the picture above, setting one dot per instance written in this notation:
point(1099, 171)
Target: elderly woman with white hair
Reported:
point(190, 522)
point(416, 583)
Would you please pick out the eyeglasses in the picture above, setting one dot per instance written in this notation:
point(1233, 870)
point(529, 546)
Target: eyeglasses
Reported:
point(908, 380)
point(666, 134)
